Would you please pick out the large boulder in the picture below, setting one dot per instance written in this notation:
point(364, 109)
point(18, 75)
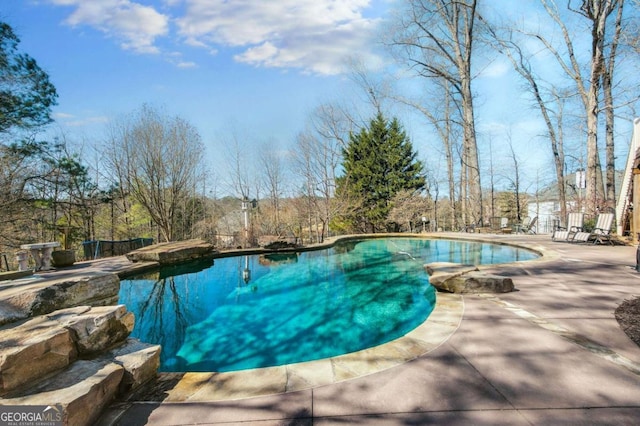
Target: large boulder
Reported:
point(477, 282)
point(439, 272)
point(457, 278)
point(171, 253)
point(39, 298)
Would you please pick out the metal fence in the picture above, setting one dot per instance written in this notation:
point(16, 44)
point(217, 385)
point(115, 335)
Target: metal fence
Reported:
point(102, 248)
point(227, 241)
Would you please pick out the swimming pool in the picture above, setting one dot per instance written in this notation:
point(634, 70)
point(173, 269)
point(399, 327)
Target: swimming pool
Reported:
point(257, 311)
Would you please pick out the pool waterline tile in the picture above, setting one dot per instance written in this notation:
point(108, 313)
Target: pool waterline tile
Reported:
point(439, 326)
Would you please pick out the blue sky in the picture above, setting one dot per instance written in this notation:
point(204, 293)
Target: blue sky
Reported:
point(247, 62)
point(253, 66)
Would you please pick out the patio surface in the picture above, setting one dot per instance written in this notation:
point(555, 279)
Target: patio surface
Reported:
point(551, 352)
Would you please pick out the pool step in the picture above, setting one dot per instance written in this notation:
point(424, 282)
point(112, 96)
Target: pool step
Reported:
point(76, 360)
point(81, 392)
point(47, 343)
point(31, 350)
point(78, 394)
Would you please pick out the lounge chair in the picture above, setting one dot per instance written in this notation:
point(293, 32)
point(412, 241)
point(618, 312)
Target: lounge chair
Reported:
point(601, 232)
point(575, 222)
point(530, 226)
point(471, 227)
point(504, 225)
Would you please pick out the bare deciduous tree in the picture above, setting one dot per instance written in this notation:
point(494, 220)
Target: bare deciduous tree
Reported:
point(588, 77)
point(408, 210)
point(273, 176)
point(316, 158)
point(239, 158)
point(550, 105)
point(159, 159)
point(588, 88)
point(444, 118)
point(609, 107)
point(437, 37)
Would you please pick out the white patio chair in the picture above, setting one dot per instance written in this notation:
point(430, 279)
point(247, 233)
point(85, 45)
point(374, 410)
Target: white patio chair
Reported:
point(575, 223)
point(601, 232)
point(530, 228)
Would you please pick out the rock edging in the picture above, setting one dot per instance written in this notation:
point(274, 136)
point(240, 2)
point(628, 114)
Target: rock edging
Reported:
point(172, 253)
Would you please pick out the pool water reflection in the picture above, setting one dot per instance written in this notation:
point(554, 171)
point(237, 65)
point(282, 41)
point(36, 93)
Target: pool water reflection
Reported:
point(257, 311)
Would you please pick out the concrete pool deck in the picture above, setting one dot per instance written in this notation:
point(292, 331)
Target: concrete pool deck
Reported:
point(551, 352)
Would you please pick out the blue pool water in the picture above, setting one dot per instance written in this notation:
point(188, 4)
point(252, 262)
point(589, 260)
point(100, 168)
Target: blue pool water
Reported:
point(256, 311)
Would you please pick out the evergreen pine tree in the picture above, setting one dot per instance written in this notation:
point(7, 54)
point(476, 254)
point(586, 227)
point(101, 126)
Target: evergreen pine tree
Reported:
point(26, 94)
point(378, 163)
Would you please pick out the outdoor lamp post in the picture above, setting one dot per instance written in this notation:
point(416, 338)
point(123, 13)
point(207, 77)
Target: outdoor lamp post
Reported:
point(424, 223)
point(245, 212)
point(581, 183)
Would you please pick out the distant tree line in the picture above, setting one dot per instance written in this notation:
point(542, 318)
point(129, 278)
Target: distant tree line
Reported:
point(344, 173)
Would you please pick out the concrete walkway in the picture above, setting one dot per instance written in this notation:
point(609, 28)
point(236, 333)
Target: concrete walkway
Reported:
point(549, 353)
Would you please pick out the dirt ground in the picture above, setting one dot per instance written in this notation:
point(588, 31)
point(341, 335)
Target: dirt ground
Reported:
point(628, 316)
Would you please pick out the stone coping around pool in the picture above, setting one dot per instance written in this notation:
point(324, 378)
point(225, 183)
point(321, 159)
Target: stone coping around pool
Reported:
point(433, 332)
point(332, 241)
point(150, 255)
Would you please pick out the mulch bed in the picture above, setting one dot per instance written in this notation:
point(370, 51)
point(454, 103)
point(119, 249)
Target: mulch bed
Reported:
point(628, 316)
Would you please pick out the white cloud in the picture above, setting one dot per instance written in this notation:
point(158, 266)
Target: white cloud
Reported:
point(497, 68)
point(71, 120)
point(62, 115)
point(314, 35)
point(134, 25)
point(186, 64)
point(263, 53)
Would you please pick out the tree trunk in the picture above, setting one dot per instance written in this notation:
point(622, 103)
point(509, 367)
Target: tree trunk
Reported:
point(607, 86)
point(472, 164)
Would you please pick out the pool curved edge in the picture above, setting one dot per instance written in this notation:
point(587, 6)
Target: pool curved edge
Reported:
point(443, 321)
point(544, 253)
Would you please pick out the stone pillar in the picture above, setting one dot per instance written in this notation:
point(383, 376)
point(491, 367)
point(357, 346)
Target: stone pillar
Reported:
point(22, 257)
point(35, 253)
point(45, 259)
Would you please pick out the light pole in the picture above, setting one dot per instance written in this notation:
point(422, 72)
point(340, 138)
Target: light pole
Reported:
point(581, 177)
point(581, 183)
point(245, 212)
point(246, 206)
